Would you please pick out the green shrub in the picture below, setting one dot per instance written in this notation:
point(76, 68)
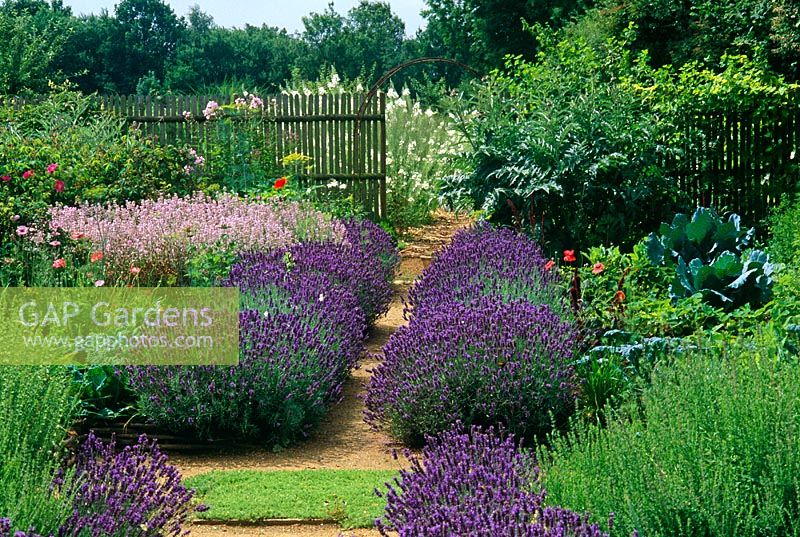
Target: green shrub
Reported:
point(570, 144)
point(709, 449)
point(97, 159)
point(35, 409)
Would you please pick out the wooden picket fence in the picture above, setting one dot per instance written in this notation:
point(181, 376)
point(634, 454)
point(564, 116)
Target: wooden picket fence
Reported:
point(739, 161)
point(322, 127)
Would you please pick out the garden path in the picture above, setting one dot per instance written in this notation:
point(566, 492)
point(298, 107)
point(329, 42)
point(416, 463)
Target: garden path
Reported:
point(343, 440)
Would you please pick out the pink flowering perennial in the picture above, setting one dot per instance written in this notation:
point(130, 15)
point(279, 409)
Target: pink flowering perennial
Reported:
point(158, 236)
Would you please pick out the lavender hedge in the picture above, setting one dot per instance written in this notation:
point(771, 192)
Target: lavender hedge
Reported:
point(484, 261)
point(374, 243)
point(475, 484)
point(299, 338)
point(485, 363)
point(134, 491)
point(305, 313)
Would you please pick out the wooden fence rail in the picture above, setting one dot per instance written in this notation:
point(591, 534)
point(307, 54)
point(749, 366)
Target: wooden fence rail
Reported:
point(321, 127)
point(739, 161)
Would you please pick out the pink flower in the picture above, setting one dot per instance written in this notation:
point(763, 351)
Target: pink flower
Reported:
point(28, 174)
point(15, 218)
point(549, 265)
point(135, 270)
point(77, 235)
point(22, 230)
point(96, 256)
point(55, 244)
point(60, 263)
point(59, 186)
point(6, 178)
point(99, 283)
point(52, 168)
point(598, 268)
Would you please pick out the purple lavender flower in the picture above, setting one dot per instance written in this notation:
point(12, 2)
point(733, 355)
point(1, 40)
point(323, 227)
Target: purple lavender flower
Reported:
point(486, 363)
point(485, 261)
point(374, 243)
point(6, 531)
point(475, 484)
point(132, 492)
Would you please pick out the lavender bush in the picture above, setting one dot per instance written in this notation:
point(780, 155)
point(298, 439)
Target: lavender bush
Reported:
point(131, 492)
point(347, 266)
point(156, 237)
point(475, 484)
point(485, 261)
point(299, 338)
point(374, 243)
point(484, 363)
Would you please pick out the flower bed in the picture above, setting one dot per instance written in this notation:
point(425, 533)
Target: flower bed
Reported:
point(157, 237)
point(305, 314)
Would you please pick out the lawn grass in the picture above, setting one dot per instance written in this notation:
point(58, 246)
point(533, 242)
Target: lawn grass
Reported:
point(346, 496)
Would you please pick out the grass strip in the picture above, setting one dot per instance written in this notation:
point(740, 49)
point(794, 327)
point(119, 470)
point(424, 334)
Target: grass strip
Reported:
point(346, 496)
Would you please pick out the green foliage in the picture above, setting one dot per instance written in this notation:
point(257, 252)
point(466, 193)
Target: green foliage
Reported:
point(481, 33)
point(346, 496)
point(567, 143)
point(97, 160)
point(784, 246)
point(710, 258)
point(207, 267)
point(708, 449)
point(645, 310)
point(102, 392)
point(618, 365)
point(240, 150)
point(35, 409)
point(366, 42)
point(35, 34)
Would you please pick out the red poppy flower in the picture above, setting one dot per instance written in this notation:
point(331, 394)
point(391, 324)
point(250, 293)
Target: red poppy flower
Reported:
point(59, 185)
point(95, 257)
point(598, 268)
point(549, 265)
point(28, 174)
point(569, 256)
point(619, 296)
point(59, 263)
point(280, 183)
point(6, 178)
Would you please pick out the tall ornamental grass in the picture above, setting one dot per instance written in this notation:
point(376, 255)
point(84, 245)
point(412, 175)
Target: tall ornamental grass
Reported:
point(710, 449)
point(422, 147)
